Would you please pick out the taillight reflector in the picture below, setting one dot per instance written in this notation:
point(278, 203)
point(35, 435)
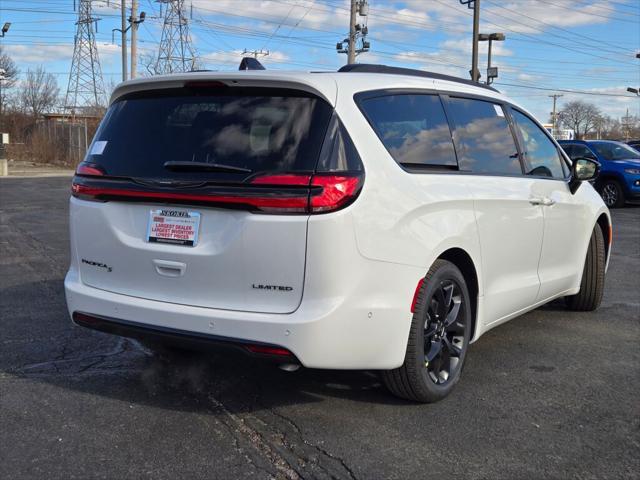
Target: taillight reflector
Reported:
point(415, 295)
point(266, 350)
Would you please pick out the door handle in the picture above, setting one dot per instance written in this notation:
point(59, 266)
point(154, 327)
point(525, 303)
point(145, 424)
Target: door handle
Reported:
point(545, 202)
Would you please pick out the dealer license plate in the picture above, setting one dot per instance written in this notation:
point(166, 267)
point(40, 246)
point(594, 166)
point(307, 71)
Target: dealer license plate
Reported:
point(177, 227)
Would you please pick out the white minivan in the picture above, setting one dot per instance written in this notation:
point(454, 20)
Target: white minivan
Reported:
point(371, 218)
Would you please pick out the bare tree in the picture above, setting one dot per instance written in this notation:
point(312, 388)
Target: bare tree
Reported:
point(8, 70)
point(38, 92)
point(581, 117)
point(148, 62)
point(8, 77)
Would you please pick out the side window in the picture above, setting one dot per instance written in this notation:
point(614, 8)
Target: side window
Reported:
point(540, 154)
point(568, 149)
point(484, 140)
point(581, 151)
point(413, 128)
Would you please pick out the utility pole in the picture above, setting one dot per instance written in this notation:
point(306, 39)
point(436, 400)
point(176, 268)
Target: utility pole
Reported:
point(554, 115)
point(123, 31)
point(475, 4)
point(134, 37)
point(351, 54)
point(626, 122)
point(85, 86)
point(356, 31)
point(175, 53)
point(475, 73)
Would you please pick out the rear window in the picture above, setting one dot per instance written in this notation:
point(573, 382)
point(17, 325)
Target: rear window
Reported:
point(261, 130)
point(484, 140)
point(413, 128)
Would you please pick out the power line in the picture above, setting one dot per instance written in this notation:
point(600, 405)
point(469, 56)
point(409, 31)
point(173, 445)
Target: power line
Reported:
point(608, 17)
point(581, 92)
point(593, 40)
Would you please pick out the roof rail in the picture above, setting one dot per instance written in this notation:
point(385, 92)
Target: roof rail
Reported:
point(372, 68)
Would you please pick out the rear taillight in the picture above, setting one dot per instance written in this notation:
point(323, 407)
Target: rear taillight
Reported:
point(337, 191)
point(328, 192)
point(88, 169)
point(284, 193)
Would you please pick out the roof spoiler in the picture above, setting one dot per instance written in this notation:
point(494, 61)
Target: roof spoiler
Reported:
point(249, 63)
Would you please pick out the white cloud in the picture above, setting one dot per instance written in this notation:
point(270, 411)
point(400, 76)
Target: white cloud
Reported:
point(41, 54)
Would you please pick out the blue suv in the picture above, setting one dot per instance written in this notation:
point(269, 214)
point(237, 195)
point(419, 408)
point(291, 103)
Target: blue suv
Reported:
point(619, 178)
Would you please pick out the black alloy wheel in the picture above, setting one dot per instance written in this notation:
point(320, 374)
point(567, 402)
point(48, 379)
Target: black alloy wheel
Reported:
point(439, 336)
point(444, 332)
point(612, 194)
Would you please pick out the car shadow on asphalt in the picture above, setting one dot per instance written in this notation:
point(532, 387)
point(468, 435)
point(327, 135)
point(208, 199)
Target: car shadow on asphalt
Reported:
point(47, 347)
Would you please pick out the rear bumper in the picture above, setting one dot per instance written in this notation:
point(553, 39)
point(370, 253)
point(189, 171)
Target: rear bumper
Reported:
point(180, 338)
point(366, 328)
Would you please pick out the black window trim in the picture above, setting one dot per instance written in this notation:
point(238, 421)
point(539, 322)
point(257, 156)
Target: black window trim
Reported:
point(359, 97)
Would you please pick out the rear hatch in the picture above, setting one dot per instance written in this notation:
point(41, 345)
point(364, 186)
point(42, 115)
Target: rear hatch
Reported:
point(200, 195)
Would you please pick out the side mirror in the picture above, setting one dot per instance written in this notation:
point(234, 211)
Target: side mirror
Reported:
point(583, 170)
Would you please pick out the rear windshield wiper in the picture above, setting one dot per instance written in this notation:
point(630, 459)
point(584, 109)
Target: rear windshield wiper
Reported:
point(203, 167)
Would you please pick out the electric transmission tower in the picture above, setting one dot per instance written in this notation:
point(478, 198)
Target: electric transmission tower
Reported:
point(175, 53)
point(86, 88)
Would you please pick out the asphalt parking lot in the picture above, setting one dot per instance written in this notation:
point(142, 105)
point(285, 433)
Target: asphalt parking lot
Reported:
point(552, 394)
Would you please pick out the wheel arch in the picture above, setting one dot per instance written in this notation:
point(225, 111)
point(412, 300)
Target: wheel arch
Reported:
point(461, 259)
point(609, 175)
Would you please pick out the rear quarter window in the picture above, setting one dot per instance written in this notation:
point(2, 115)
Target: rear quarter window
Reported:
point(413, 128)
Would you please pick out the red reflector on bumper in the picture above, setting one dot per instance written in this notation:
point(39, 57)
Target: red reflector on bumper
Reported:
point(415, 295)
point(266, 350)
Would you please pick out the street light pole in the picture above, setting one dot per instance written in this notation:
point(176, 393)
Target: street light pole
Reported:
point(5, 29)
point(491, 37)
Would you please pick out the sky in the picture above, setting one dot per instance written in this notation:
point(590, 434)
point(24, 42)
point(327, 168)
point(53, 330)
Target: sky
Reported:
point(551, 46)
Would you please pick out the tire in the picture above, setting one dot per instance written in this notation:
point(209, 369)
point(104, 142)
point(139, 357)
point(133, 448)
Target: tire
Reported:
point(430, 377)
point(592, 283)
point(612, 193)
